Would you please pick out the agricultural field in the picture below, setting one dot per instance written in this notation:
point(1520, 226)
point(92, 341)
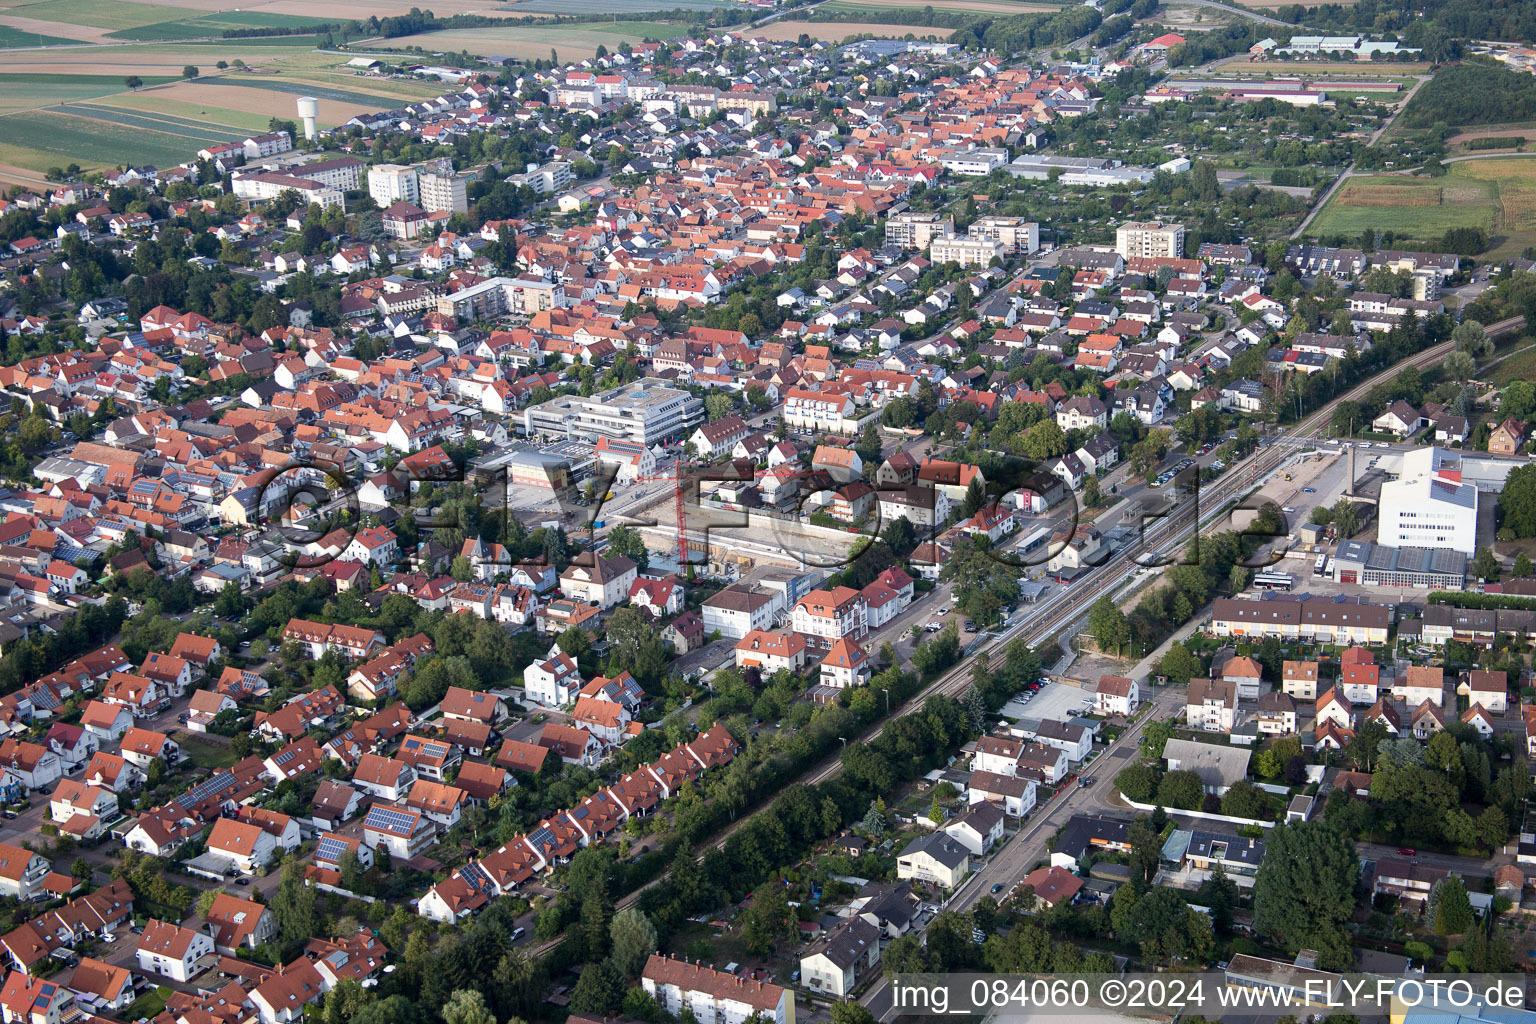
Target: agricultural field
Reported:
point(836, 31)
point(37, 140)
point(530, 42)
point(1417, 207)
point(108, 14)
point(28, 92)
point(211, 25)
point(619, 7)
point(1498, 195)
point(23, 33)
point(70, 116)
point(912, 7)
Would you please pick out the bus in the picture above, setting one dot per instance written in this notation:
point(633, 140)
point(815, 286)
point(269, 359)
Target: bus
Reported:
point(1328, 571)
point(1273, 581)
point(1317, 567)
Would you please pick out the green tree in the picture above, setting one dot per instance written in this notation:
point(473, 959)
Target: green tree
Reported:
point(1449, 906)
point(133, 82)
point(1045, 440)
point(847, 1011)
point(1180, 665)
point(1524, 568)
point(1346, 517)
point(1108, 625)
point(1304, 893)
point(1181, 789)
point(718, 404)
point(293, 905)
point(1517, 503)
point(205, 901)
point(599, 990)
point(1486, 565)
point(1167, 928)
point(626, 540)
point(634, 940)
point(466, 1006)
point(190, 71)
point(1137, 781)
point(345, 1001)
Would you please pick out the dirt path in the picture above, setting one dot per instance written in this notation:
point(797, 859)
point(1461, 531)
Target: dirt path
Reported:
point(13, 175)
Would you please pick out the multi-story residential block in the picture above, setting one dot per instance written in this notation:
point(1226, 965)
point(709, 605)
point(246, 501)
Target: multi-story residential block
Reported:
point(1149, 240)
point(1211, 705)
point(966, 251)
point(917, 230)
point(389, 184)
point(831, 614)
point(1018, 237)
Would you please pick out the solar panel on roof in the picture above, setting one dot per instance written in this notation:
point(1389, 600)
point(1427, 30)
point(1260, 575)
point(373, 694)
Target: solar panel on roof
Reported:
point(391, 820)
point(330, 849)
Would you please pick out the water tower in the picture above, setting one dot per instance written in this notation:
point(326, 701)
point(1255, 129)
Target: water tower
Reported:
point(309, 109)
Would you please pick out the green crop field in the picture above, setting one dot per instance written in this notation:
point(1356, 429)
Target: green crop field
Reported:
point(40, 139)
point(110, 14)
point(197, 131)
point(15, 39)
point(532, 41)
point(1498, 195)
point(215, 118)
point(30, 91)
point(1411, 207)
point(215, 24)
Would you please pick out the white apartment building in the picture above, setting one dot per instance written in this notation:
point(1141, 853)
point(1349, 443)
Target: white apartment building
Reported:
point(264, 185)
point(1149, 239)
point(714, 997)
point(444, 192)
point(818, 411)
point(270, 144)
point(552, 177)
point(343, 173)
point(389, 184)
point(831, 614)
point(917, 230)
point(742, 609)
point(968, 252)
point(1018, 236)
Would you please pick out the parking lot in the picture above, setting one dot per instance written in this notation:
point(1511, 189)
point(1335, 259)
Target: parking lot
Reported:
point(1053, 700)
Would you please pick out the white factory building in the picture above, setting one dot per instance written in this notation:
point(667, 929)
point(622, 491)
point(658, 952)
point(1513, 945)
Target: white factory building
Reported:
point(1429, 505)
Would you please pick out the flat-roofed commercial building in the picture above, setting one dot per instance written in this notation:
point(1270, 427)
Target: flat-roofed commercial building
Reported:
point(1380, 565)
point(645, 412)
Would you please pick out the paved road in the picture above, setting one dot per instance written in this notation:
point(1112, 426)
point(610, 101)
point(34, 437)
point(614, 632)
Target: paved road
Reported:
point(1029, 844)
